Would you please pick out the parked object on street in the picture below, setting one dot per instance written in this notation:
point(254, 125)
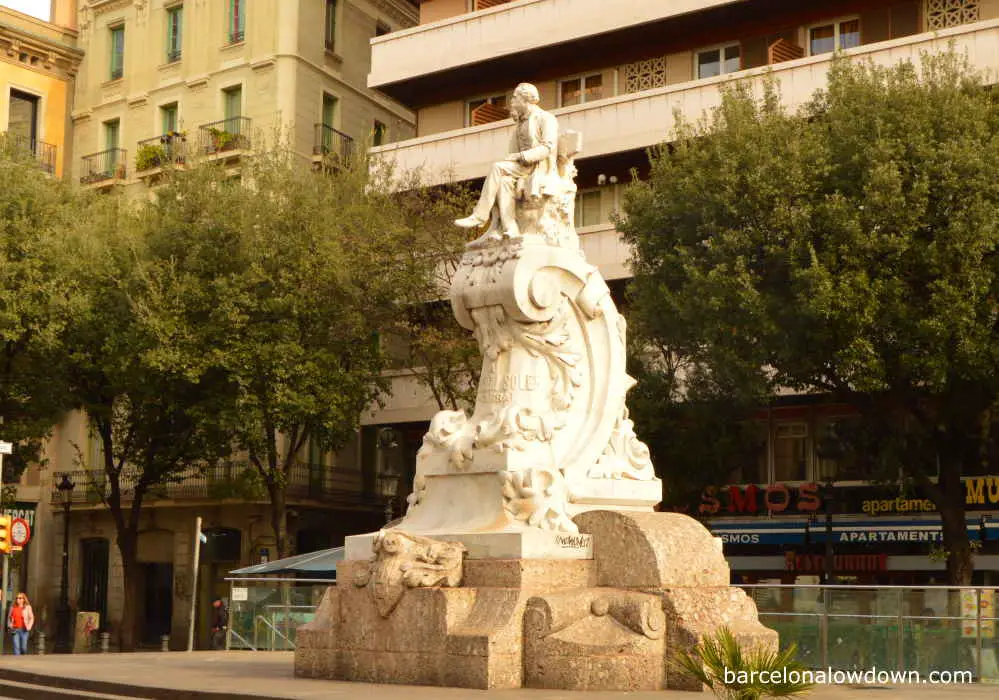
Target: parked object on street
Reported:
point(20, 620)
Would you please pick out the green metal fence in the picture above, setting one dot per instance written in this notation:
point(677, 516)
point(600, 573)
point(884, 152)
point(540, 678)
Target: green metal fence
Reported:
point(265, 613)
point(926, 629)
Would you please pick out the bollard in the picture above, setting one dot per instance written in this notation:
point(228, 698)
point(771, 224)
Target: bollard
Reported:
point(41, 643)
point(105, 642)
point(165, 642)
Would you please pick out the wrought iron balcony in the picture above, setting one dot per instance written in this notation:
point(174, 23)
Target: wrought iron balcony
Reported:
point(237, 481)
point(104, 165)
point(231, 134)
point(159, 151)
point(331, 144)
point(44, 153)
point(173, 56)
point(236, 36)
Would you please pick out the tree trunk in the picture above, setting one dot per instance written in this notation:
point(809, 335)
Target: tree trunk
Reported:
point(128, 631)
point(960, 563)
point(279, 519)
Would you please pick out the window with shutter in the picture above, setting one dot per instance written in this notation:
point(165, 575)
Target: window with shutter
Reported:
point(237, 20)
point(174, 22)
point(117, 52)
point(486, 110)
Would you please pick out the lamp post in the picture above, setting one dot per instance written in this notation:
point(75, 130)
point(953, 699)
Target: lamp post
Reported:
point(388, 477)
point(828, 575)
point(62, 643)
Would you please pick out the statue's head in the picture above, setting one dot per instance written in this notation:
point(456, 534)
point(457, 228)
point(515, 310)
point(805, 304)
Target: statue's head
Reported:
point(524, 96)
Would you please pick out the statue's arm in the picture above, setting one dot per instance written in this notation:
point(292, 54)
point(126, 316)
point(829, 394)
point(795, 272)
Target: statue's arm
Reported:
point(549, 138)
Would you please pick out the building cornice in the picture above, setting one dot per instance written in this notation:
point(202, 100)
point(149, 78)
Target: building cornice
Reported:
point(40, 53)
point(99, 7)
point(399, 10)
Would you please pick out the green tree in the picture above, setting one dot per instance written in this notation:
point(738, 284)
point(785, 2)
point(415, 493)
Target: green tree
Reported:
point(442, 355)
point(147, 415)
point(35, 301)
point(848, 250)
point(281, 281)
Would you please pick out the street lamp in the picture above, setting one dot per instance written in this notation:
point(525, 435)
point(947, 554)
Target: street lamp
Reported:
point(828, 575)
point(388, 477)
point(62, 644)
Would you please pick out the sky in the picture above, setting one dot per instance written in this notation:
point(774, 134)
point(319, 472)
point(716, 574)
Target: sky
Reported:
point(37, 8)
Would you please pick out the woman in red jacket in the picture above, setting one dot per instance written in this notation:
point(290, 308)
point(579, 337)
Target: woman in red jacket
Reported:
point(20, 620)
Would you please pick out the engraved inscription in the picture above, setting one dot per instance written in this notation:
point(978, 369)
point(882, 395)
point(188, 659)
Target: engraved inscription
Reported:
point(572, 541)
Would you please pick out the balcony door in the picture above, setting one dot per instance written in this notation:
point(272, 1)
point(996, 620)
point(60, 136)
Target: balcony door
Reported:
point(233, 102)
point(22, 123)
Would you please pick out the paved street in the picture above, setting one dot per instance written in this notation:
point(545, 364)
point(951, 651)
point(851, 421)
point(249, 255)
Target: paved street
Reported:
point(269, 675)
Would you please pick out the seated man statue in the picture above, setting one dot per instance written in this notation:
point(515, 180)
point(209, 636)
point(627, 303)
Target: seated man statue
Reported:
point(529, 171)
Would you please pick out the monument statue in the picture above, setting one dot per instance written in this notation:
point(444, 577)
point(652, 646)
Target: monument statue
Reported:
point(549, 419)
point(530, 171)
point(530, 554)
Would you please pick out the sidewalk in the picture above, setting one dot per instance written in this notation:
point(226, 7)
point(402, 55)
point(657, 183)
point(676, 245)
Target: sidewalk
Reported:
point(179, 675)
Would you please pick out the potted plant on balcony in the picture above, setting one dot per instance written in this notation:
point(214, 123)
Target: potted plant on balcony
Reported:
point(222, 140)
point(150, 156)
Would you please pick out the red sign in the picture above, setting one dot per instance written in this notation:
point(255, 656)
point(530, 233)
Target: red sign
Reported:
point(814, 563)
point(775, 498)
point(20, 532)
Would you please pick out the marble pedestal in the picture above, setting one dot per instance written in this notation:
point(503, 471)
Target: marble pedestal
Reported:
point(656, 584)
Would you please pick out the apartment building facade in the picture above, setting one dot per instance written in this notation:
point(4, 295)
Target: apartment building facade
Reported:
point(38, 63)
point(163, 83)
point(620, 75)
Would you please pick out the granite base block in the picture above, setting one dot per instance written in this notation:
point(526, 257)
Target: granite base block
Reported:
point(657, 584)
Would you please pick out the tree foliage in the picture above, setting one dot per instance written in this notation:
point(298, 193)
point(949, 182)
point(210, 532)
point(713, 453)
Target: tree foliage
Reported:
point(35, 301)
point(148, 418)
point(281, 282)
point(847, 250)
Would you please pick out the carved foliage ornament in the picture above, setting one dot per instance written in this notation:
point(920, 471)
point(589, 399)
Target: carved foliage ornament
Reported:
point(405, 561)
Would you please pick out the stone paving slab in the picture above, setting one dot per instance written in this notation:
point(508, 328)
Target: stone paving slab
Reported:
point(270, 675)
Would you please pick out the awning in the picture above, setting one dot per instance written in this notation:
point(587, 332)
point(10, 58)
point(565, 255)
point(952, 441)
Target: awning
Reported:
point(321, 564)
point(862, 531)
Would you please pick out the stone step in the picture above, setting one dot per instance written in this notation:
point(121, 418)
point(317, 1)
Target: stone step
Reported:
point(36, 691)
point(28, 685)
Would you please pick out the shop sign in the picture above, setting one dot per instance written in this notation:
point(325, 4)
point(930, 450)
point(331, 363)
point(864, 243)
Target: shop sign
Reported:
point(898, 505)
point(776, 498)
point(24, 511)
point(970, 600)
point(813, 563)
point(982, 491)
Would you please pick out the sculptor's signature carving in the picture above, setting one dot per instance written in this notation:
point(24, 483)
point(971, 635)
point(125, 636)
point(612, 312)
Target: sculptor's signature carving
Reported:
point(404, 561)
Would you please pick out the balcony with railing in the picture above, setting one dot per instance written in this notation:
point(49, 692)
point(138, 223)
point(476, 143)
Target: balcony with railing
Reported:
point(499, 29)
point(163, 151)
point(637, 120)
point(24, 146)
point(226, 137)
point(234, 481)
point(104, 167)
point(331, 148)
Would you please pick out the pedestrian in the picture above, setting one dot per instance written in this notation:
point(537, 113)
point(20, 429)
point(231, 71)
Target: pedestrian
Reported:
point(220, 623)
point(20, 620)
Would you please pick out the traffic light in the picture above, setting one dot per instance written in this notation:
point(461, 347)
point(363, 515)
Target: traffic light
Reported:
point(5, 534)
